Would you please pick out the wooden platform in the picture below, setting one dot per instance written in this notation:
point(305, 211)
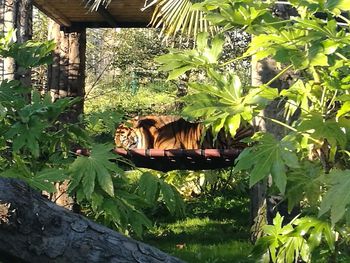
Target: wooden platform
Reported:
point(167, 160)
point(75, 13)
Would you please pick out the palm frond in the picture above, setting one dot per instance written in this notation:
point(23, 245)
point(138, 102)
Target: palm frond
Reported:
point(94, 4)
point(175, 16)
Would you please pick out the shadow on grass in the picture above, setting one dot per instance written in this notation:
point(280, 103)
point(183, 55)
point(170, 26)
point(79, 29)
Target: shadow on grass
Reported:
point(216, 230)
point(203, 240)
point(200, 230)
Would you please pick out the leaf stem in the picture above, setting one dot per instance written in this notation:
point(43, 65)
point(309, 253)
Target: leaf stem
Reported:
point(278, 75)
point(341, 56)
point(323, 100)
point(280, 123)
point(294, 104)
point(235, 59)
point(293, 129)
point(279, 22)
point(344, 18)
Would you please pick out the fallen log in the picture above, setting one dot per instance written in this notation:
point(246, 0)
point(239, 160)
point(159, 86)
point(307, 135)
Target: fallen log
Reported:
point(33, 229)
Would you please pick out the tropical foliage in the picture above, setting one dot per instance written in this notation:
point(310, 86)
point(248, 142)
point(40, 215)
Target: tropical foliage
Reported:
point(38, 147)
point(314, 151)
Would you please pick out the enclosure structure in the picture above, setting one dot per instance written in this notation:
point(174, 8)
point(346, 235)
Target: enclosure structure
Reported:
point(76, 14)
point(70, 20)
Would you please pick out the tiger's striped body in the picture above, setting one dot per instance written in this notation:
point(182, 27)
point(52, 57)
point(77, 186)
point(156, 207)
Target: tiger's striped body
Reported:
point(140, 132)
point(173, 132)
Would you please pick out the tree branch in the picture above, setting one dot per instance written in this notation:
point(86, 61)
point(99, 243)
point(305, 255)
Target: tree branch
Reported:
point(33, 229)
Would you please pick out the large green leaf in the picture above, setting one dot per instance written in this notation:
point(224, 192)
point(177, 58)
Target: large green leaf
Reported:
point(171, 198)
point(344, 110)
point(338, 4)
point(207, 53)
point(224, 103)
point(314, 230)
point(269, 156)
point(96, 166)
point(289, 242)
point(321, 129)
point(149, 187)
point(304, 183)
point(337, 198)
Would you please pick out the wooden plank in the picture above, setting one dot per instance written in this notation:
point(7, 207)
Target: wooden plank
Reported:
point(107, 16)
point(103, 24)
point(53, 13)
point(121, 13)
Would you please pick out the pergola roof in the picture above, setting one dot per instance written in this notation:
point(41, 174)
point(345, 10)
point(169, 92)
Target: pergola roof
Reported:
point(119, 13)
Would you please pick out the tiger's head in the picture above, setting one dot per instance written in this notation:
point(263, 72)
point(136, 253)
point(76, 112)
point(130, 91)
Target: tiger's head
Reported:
point(126, 137)
point(132, 135)
point(141, 132)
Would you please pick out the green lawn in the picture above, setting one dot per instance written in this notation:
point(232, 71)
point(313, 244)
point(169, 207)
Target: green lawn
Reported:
point(215, 230)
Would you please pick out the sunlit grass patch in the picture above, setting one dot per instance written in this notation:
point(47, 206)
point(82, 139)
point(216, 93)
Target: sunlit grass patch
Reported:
point(202, 240)
point(153, 98)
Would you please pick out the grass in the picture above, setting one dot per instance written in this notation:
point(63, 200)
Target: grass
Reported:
point(202, 240)
point(153, 98)
point(210, 233)
point(216, 228)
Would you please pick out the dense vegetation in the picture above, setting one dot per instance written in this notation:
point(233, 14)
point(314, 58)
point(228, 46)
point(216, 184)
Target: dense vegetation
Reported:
point(308, 165)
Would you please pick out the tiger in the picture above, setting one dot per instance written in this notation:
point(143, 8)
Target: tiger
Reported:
point(174, 132)
point(140, 132)
point(182, 134)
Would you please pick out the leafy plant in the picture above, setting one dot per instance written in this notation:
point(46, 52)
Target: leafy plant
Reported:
point(294, 240)
point(151, 188)
point(267, 157)
point(316, 140)
point(339, 181)
point(37, 147)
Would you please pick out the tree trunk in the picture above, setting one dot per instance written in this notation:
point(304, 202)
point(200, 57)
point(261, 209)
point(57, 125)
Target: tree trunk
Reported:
point(53, 71)
point(32, 229)
point(9, 23)
point(18, 14)
point(263, 207)
point(76, 69)
point(2, 8)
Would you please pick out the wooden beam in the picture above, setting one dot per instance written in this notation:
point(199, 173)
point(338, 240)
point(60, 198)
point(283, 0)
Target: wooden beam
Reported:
point(107, 16)
point(53, 13)
point(99, 24)
point(103, 12)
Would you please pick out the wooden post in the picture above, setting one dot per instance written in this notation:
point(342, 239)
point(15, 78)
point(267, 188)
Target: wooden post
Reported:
point(53, 71)
point(76, 68)
point(66, 76)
